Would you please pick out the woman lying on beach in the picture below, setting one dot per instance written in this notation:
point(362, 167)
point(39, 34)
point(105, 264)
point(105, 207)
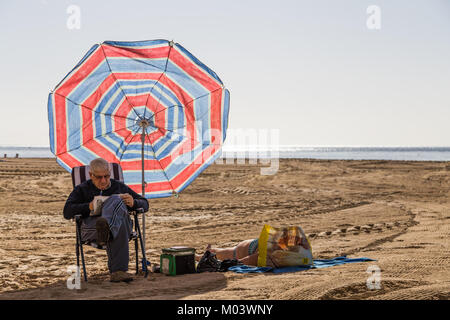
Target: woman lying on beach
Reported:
point(245, 251)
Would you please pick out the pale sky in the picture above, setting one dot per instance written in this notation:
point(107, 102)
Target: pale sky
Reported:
point(311, 69)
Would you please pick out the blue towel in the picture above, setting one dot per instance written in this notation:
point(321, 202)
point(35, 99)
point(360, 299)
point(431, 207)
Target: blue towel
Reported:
point(318, 263)
point(249, 269)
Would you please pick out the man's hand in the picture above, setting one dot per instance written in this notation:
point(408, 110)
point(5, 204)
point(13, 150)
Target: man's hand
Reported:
point(127, 199)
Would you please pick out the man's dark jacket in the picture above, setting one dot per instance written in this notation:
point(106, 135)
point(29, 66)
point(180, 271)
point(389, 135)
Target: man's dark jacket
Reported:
point(84, 193)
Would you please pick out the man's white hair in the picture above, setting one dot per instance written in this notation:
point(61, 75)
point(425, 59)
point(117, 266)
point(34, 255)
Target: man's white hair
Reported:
point(98, 164)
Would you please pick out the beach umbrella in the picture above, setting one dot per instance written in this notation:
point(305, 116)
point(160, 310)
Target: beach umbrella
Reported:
point(149, 105)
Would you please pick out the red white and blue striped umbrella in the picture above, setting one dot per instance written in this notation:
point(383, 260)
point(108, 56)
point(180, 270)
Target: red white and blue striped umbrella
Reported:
point(150, 105)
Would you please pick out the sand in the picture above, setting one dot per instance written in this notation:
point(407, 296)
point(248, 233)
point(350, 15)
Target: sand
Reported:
point(395, 212)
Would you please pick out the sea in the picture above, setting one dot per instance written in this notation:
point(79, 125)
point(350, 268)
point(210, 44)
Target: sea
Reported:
point(288, 152)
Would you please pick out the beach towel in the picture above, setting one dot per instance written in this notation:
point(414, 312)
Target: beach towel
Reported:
point(317, 264)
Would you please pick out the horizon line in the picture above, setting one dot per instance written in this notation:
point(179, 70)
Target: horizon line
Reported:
point(280, 145)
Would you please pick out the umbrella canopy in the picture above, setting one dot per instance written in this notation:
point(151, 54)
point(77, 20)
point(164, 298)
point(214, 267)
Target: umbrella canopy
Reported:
point(150, 105)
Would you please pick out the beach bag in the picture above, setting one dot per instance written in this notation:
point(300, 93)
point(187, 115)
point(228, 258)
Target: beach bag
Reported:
point(208, 263)
point(283, 247)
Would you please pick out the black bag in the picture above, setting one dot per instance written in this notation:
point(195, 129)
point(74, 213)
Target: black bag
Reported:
point(227, 263)
point(210, 263)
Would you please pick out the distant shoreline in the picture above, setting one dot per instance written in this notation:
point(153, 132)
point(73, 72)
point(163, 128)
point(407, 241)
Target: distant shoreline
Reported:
point(247, 160)
point(289, 152)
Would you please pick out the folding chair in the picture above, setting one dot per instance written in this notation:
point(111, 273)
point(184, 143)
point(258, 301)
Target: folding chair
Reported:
point(81, 174)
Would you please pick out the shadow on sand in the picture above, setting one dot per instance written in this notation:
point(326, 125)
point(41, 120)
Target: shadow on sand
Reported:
point(155, 286)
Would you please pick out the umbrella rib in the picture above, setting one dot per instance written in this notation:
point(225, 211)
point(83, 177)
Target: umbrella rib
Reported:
point(115, 79)
point(104, 134)
point(156, 158)
point(199, 97)
point(177, 127)
point(126, 147)
point(160, 129)
point(148, 96)
point(81, 105)
point(189, 138)
point(164, 71)
point(92, 139)
point(182, 126)
point(167, 109)
point(183, 106)
point(204, 95)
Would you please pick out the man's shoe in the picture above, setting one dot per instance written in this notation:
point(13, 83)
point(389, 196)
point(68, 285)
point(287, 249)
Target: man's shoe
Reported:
point(103, 231)
point(119, 276)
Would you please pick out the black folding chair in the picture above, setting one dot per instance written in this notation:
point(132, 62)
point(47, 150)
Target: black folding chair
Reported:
point(81, 174)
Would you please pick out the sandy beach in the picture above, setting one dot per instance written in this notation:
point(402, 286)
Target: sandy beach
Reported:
point(396, 212)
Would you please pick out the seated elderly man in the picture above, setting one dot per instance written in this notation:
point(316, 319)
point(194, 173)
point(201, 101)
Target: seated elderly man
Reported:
point(114, 226)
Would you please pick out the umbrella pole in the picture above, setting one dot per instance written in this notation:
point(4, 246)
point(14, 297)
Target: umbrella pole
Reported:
point(144, 124)
point(143, 182)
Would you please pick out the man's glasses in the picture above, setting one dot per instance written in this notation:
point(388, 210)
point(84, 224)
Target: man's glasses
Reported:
point(106, 176)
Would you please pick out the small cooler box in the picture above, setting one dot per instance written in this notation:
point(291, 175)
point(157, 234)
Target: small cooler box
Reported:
point(177, 260)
